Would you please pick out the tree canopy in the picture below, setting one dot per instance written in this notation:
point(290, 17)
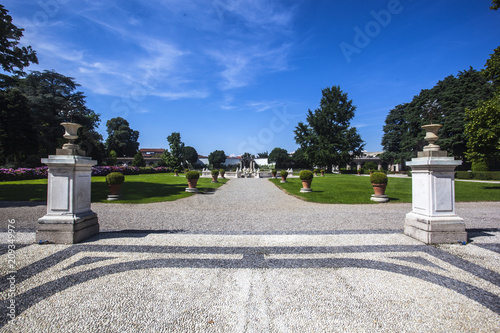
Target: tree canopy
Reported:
point(12, 57)
point(403, 135)
point(483, 131)
point(121, 138)
point(327, 138)
point(32, 110)
point(217, 158)
point(190, 155)
point(176, 153)
point(280, 157)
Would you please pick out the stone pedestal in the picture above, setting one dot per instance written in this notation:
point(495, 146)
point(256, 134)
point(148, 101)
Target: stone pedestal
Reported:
point(433, 219)
point(69, 218)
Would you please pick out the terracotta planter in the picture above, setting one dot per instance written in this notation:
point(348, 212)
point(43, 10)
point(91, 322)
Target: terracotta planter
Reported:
point(115, 189)
point(192, 183)
point(214, 179)
point(283, 179)
point(306, 183)
point(379, 189)
point(176, 174)
point(323, 174)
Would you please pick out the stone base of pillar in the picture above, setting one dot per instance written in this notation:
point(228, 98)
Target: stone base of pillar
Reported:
point(435, 229)
point(67, 229)
point(191, 190)
point(379, 198)
point(305, 190)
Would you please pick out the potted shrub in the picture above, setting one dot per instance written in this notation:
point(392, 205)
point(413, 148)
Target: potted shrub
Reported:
point(215, 174)
point(322, 173)
point(274, 172)
point(306, 177)
point(176, 171)
point(379, 183)
point(222, 172)
point(283, 175)
point(316, 172)
point(192, 178)
point(115, 181)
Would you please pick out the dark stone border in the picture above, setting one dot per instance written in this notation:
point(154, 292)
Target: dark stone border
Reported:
point(253, 257)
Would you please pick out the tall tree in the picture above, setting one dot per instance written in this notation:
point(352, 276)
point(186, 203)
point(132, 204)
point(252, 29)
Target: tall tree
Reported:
point(483, 131)
point(139, 160)
point(176, 150)
point(17, 137)
point(121, 138)
point(190, 155)
point(217, 158)
point(327, 138)
point(280, 157)
point(12, 57)
point(492, 68)
point(264, 154)
point(403, 135)
point(299, 160)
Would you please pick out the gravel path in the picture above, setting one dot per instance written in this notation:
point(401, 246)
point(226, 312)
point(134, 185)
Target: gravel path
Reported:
point(250, 205)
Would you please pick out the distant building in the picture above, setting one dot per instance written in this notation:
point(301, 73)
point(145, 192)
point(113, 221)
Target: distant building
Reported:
point(151, 152)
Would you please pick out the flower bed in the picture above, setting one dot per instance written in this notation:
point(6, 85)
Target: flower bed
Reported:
point(42, 172)
point(23, 173)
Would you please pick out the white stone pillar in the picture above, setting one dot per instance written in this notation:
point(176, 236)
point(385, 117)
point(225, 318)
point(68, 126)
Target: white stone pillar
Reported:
point(433, 219)
point(69, 218)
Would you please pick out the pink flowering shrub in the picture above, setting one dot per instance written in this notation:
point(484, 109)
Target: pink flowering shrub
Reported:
point(42, 172)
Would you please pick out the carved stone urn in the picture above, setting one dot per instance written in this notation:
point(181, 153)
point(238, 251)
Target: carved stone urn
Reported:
point(431, 136)
point(70, 134)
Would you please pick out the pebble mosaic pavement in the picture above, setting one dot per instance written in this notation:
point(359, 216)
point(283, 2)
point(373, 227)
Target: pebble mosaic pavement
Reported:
point(278, 278)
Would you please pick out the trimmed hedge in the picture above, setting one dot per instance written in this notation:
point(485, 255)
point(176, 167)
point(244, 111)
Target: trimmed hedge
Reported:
point(478, 175)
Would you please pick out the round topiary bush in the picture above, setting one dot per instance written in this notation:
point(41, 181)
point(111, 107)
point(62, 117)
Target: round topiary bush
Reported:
point(115, 178)
point(316, 170)
point(215, 172)
point(306, 175)
point(274, 172)
point(284, 173)
point(192, 175)
point(222, 172)
point(378, 178)
point(176, 170)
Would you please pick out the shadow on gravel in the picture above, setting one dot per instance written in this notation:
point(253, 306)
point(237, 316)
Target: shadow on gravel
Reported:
point(5, 204)
point(485, 232)
point(128, 233)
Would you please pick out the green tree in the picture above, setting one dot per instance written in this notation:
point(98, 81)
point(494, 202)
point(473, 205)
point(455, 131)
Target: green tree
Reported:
point(121, 138)
point(176, 150)
point(483, 131)
point(12, 57)
point(17, 137)
point(280, 157)
point(492, 68)
point(263, 154)
point(112, 158)
point(190, 155)
point(495, 4)
point(299, 160)
point(403, 135)
point(217, 158)
point(328, 138)
point(139, 160)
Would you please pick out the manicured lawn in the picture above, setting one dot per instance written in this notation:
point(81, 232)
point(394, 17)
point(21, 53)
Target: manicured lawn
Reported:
point(353, 189)
point(136, 189)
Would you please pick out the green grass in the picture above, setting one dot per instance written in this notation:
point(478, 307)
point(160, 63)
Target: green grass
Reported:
point(353, 189)
point(145, 188)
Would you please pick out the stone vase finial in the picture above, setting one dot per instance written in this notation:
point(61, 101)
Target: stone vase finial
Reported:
point(431, 136)
point(70, 134)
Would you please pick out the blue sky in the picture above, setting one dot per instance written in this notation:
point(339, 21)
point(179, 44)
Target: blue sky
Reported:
point(238, 75)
